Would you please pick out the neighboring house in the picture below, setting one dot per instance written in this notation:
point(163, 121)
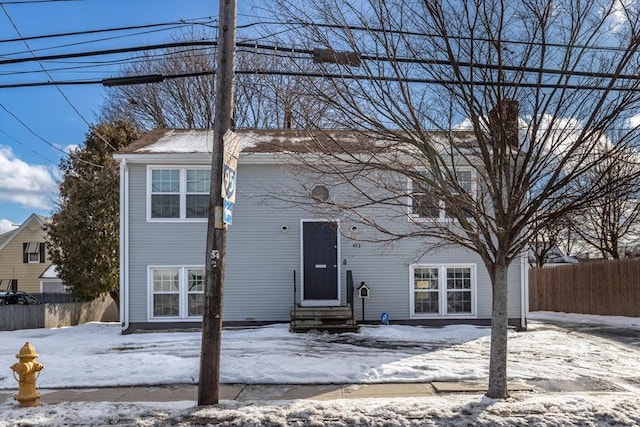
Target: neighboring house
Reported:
point(557, 257)
point(23, 256)
point(554, 257)
point(277, 252)
point(50, 283)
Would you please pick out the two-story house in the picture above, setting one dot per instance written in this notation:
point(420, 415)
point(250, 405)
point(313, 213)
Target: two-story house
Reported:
point(280, 254)
point(23, 256)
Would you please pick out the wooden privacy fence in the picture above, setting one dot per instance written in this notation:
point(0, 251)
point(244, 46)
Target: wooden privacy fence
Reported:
point(56, 315)
point(610, 288)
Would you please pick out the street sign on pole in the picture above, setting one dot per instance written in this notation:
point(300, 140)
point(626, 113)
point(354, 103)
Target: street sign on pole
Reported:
point(229, 172)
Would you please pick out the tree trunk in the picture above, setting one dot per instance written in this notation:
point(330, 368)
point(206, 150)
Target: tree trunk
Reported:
point(115, 296)
point(499, 329)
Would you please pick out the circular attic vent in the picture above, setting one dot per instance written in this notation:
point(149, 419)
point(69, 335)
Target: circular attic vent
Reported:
point(320, 193)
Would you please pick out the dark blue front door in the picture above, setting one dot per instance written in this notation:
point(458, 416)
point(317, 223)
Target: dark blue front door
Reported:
point(320, 260)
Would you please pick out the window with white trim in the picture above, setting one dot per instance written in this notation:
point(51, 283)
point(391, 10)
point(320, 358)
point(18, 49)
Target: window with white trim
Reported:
point(423, 203)
point(176, 292)
point(443, 290)
point(178, 193)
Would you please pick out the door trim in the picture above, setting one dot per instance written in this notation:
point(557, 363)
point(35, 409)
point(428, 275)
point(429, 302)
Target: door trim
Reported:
point(315, 302)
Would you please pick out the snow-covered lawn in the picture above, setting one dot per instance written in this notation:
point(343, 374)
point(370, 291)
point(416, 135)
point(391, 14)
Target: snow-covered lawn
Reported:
point(604, 371)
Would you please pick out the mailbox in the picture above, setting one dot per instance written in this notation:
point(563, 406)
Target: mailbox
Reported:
point(363, 290)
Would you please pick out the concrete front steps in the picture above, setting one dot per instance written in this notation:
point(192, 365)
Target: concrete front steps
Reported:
point(323, 319)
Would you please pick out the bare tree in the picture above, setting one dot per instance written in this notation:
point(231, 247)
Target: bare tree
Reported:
point(538, 85)
point(548, 236)
point(184, 102)
point(611, 223)
point(267, 90)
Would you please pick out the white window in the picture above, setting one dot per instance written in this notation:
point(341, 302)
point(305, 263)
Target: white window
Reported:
point(423, 203)
point(178, 193)
point(176, 292)
point(443, 290)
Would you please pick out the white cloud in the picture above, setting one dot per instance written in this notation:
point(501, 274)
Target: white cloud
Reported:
point(70, 148)
point(32, 186)
point(618, 15)
point(6, 225)
point(634, 121)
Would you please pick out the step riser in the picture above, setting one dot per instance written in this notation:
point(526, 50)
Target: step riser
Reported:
point(325, 319)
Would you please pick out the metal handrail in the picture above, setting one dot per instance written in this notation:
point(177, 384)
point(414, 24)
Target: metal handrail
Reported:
point(350, 290)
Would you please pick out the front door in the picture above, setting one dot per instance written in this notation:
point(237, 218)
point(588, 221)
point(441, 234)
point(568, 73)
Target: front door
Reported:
point(320, 263)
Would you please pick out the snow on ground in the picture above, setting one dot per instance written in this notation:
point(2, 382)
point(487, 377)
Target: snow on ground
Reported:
point(557, 349)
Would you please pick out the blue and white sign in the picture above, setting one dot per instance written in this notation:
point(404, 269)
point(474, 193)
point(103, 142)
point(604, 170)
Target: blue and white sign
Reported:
point(227, 212)
point(229, 183)
point(231, 152)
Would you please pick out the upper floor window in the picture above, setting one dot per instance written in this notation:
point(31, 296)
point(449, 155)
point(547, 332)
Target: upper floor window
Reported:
point(178, 193)
point(424, 203)
point(33, 252)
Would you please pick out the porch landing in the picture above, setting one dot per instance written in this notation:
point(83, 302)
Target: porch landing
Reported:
point(323, 319)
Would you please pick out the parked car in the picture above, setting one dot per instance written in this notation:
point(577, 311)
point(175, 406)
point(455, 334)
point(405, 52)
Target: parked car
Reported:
point(19, 297)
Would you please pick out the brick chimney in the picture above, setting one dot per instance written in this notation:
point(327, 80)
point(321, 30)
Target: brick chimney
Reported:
point(504, 118)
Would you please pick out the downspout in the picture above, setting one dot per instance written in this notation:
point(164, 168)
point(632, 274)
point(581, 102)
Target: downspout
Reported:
point(124, 245)
point(524, 290)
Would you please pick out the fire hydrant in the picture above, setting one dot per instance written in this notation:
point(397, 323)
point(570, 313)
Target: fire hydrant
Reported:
point(27, 369)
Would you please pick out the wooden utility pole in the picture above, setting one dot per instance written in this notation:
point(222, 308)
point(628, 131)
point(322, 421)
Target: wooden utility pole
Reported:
point(209, 384)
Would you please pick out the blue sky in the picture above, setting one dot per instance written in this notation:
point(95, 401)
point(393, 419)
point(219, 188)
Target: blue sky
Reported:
point(37, 124)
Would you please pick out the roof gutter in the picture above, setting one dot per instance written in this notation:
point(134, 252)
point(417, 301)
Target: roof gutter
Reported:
point(524, 290)
point(124, 245)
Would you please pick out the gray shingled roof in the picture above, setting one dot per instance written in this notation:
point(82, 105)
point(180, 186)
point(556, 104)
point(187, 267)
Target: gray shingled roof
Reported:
point(271, 141)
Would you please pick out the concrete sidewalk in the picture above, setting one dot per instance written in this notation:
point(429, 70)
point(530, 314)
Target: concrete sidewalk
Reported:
point(256, 392)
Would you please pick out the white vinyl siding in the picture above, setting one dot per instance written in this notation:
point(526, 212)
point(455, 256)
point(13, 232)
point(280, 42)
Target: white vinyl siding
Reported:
point(178, 193)
point(176, 292)
point(443, 290)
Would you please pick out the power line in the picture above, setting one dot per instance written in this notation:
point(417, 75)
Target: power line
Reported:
point(41, 138)
point(86, 42)
point(257, 46)
point(27, 147)
point(108, 51)
point(105, 30)
point(156, 78)
point(57, 87)
point(451, 37)
point(312, 53)
point(33, 1)
point(195, 21)
point(31, 130)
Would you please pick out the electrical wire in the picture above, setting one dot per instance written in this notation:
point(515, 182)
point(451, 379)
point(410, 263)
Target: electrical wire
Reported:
point(42, 49)
point(56, 86)
point(190, 21)
point(26, 126)
point(27, 147)
point(364, 57)
point(337, 76)
point(293, 51)
point(19, 2)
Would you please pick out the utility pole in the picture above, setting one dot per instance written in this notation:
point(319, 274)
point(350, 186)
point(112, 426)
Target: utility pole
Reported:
point(209, 384)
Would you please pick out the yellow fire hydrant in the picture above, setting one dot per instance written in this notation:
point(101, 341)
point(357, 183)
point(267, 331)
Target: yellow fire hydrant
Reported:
point(27, 369)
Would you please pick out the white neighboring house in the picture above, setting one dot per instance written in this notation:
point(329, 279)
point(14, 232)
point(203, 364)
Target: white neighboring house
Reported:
point(279, 256)
point(50, 282)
